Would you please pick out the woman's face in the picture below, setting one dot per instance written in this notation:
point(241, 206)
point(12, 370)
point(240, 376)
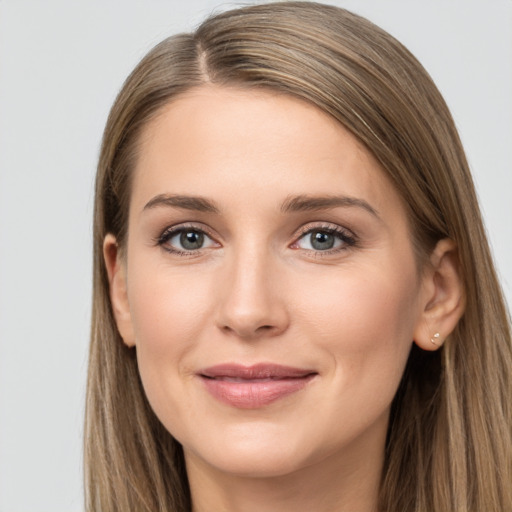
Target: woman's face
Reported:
point(272, 291)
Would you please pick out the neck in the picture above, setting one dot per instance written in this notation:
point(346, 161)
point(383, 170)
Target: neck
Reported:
point(340, 482)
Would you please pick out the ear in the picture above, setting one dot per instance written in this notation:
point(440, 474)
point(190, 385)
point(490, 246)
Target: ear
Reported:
point(442, 299)
point(116, 270)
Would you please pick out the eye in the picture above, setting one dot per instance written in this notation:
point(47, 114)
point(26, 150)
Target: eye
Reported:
point(325, 239)
point(183, 240)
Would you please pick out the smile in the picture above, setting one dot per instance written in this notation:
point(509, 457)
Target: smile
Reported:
point(251, 387)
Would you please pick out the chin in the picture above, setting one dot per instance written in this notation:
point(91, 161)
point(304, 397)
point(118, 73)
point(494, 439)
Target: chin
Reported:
point(258, 464)
point(254, 453)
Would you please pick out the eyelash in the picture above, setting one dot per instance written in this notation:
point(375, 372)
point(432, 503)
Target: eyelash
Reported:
point(347, 238)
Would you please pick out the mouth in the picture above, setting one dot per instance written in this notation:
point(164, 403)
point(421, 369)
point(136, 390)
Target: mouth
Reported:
point(252, 387)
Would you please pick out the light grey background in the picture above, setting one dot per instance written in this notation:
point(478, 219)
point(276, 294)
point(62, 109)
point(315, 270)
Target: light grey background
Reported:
point(61, 64)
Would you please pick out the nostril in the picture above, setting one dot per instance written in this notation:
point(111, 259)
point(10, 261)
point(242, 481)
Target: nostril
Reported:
point(246, 332)
point(266, 330)
point(260, 328)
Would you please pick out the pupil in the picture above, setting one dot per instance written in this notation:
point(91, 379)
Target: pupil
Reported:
point(191, 240)
point(321, 240)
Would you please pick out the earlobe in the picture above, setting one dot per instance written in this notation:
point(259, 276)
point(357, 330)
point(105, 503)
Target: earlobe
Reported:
point(443, 297)
point(116, 271)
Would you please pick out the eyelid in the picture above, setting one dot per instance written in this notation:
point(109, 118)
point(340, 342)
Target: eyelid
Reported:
point(193, 226)
point(324, 226)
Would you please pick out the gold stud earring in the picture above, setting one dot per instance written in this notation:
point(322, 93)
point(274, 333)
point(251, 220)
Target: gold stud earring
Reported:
point(435, 339)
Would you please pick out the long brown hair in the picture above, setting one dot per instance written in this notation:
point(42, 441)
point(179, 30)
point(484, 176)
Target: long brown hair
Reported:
point(449, 445)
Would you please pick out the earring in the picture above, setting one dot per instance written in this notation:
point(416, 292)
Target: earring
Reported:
point(435, 339)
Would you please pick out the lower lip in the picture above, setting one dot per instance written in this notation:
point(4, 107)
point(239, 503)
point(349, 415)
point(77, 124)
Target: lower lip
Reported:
point(252, 394)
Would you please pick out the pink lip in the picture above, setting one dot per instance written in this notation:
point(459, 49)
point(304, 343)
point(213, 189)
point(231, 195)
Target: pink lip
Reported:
point(250, 387)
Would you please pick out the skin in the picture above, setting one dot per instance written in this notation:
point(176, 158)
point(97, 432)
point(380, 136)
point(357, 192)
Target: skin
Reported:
point(258, 291)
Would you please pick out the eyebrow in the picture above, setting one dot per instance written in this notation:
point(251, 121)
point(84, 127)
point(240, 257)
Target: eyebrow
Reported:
point(199, 204)
point(304, 203)
point(294, 204)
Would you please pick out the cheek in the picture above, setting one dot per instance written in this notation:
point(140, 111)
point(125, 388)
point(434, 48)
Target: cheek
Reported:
point(365, 319)
point(168, 313)
point(168, 316)
point(376, 297)
point(167, 309)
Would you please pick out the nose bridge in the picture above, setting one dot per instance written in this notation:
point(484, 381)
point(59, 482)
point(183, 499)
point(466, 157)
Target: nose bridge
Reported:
point(252, 304)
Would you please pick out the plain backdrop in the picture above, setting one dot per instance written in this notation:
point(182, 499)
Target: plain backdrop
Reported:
point(61, 65)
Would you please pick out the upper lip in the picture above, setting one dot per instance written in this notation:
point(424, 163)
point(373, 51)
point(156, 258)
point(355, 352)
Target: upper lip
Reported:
point(255, 371)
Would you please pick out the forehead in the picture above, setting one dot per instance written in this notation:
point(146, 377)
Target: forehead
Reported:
point(249, 145)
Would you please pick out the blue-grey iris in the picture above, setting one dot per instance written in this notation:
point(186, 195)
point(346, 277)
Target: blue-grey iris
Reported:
point(191, 240)
point(321, 241)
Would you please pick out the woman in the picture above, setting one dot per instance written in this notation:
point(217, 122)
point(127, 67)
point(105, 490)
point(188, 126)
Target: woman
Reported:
point(295, 307)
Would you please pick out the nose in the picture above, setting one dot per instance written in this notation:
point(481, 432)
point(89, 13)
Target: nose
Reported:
point(252, 301)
